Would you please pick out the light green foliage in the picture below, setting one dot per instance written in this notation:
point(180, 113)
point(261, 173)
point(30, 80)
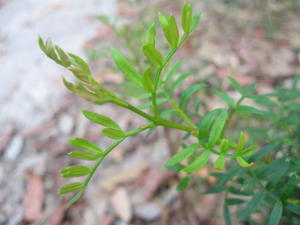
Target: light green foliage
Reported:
point(268, 177)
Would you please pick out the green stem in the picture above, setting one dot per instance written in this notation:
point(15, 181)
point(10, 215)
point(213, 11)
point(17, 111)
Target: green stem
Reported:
point(106, 152)
point(182, 114)
point(160, 69)
point(161, 122)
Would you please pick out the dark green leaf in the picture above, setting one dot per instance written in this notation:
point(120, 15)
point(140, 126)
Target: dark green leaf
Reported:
point(68, 188)
point(113, 133)
point(276, 214)
point(252, 205)
point(229, 175)
point(226, 214)
point(84, 144)
point(198, 163)
point(100, 119)
point(183, 184)
point(234, 201)
point(183, 154)
point(215, 190)
point(294, 208)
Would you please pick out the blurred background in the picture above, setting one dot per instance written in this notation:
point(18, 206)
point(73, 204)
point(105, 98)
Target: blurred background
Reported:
point(256, 40)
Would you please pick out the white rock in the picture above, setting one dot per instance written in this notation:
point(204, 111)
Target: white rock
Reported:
point(14, 148)
point(148, 211)
point(66, 124)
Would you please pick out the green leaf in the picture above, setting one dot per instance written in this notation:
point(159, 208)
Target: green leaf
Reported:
point(131, 90)
point(183, 154)
point(149, 103)
point(198, 163)
point(236, 86)
point(75, 171)
point(225, 97)
point(276, 214)
point(220, 162)
point(195, 21)
point(100, 119)
point(126, 68)
point(183, 184)
point(113, 133)
point(242, 162)
point(249, 109)
point(165, 26)
point(173, 30)
point(229, 175)
point(75, 198)
point(188, 92)
point(187, 17)
point(215, 190)
point(147, 80)
point(84, 144)
point(151, 35)
point(207, 121)
point(175, 168)
point(294, 208)
point(252, 205)
point(68, 188)
point(242, 142)
point(217, 128)
point(153, 55)
point(179, 81)
point(79, 62)
point(63, 56)
point(226, 214)
point(224, 146)
point(85, 155)
point(173, 71)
